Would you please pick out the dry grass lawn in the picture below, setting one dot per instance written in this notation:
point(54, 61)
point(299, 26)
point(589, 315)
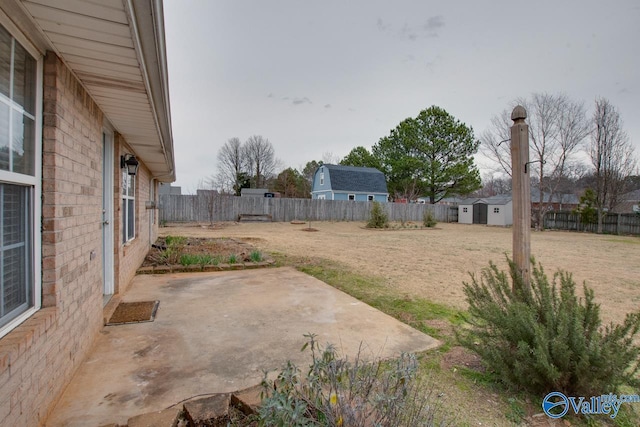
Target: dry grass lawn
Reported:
point(433, 263)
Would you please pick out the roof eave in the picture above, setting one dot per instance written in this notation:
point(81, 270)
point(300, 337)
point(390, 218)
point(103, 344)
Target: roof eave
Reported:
point(147, 17)
point(144, 121)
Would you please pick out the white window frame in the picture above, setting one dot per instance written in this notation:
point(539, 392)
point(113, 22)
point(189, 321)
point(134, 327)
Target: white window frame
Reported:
point(127, 196)
point(371, 197)
point(496, 210)
point(351, 197)
point(32, 181)
point(321, 197)
point(465, 210)
point(322, 178)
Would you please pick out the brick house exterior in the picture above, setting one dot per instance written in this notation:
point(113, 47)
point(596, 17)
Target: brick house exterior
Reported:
point(75, 225)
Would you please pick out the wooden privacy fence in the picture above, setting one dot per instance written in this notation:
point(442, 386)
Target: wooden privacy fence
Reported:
point(612, 223)
point(209, 208)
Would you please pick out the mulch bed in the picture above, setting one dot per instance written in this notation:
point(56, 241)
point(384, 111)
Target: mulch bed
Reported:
point(223, 247)
point(160, 260)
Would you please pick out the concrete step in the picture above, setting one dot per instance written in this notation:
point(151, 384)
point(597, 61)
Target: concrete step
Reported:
point(172, 417)
point(248, 400)
point(211, 411)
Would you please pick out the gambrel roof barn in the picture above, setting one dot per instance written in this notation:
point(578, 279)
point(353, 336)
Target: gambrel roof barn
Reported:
point(337, 182)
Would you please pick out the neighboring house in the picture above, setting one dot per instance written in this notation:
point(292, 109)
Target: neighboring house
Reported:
point(336, 182)
point(496, 210)
point(165, 189)
point(207, 193)
point(559, 201)
point(253, 192)
point(447, 201)
point(630, 202)
point(83, 97)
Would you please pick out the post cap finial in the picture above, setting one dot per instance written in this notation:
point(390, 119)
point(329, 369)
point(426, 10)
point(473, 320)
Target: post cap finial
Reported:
point(519, 113)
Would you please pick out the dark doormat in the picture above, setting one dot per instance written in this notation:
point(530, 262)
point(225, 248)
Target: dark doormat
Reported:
point(134, 312)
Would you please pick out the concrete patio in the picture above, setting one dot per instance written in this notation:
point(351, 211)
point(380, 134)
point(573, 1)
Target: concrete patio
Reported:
point(218, 332)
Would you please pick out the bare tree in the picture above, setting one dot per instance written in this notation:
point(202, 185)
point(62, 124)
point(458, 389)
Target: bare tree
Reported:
point(494, 185)
point(308, 173)
point(232, 164)
point(328, 158)
point(207, 195)
point(261, 161)
point(557, 128)
point(572, 129)
point(494, 142)
point(611, 155)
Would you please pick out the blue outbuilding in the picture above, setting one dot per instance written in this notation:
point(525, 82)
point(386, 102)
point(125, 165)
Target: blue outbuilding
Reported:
point(337, 182)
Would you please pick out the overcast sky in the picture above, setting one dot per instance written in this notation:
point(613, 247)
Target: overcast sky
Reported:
point(327, 76)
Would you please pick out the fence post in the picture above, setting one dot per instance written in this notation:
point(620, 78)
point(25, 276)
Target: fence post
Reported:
point(521, 193)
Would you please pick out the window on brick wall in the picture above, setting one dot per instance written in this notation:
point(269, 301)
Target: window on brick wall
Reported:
point(128, 207)
point(20, 175)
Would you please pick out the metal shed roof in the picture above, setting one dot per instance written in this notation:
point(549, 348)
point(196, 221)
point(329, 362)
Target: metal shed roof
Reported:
point(116, 48)
point(495, 200)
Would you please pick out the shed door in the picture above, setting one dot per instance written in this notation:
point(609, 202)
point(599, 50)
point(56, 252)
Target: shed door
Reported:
point(480, 213)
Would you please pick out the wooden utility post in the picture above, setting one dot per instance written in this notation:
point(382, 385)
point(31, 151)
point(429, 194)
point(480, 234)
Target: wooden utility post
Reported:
point(521, 189)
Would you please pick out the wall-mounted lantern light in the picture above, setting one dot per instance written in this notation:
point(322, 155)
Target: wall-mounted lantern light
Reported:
point(130, 162)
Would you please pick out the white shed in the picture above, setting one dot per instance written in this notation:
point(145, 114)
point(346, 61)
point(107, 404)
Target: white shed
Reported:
point(499, 211)
point(465, 211)
point(496, 210)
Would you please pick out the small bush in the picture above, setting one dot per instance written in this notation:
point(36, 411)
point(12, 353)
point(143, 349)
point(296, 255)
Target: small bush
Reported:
point(428, 220)
point(233, 259)
point(378, 218)
point(545, 338)
point(337, 392)
point(255, 256)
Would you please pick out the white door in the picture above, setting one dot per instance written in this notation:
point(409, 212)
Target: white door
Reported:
point(107, 214)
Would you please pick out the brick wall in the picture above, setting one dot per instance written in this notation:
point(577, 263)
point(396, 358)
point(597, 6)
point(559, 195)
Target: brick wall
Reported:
point(39, 357)
point(130, 255)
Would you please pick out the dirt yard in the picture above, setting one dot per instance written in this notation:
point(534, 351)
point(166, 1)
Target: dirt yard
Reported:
point(433, 263)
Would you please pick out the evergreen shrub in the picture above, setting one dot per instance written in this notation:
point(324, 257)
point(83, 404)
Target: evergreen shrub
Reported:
point(544, 338)
point(378, 217)
point(428, 220)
